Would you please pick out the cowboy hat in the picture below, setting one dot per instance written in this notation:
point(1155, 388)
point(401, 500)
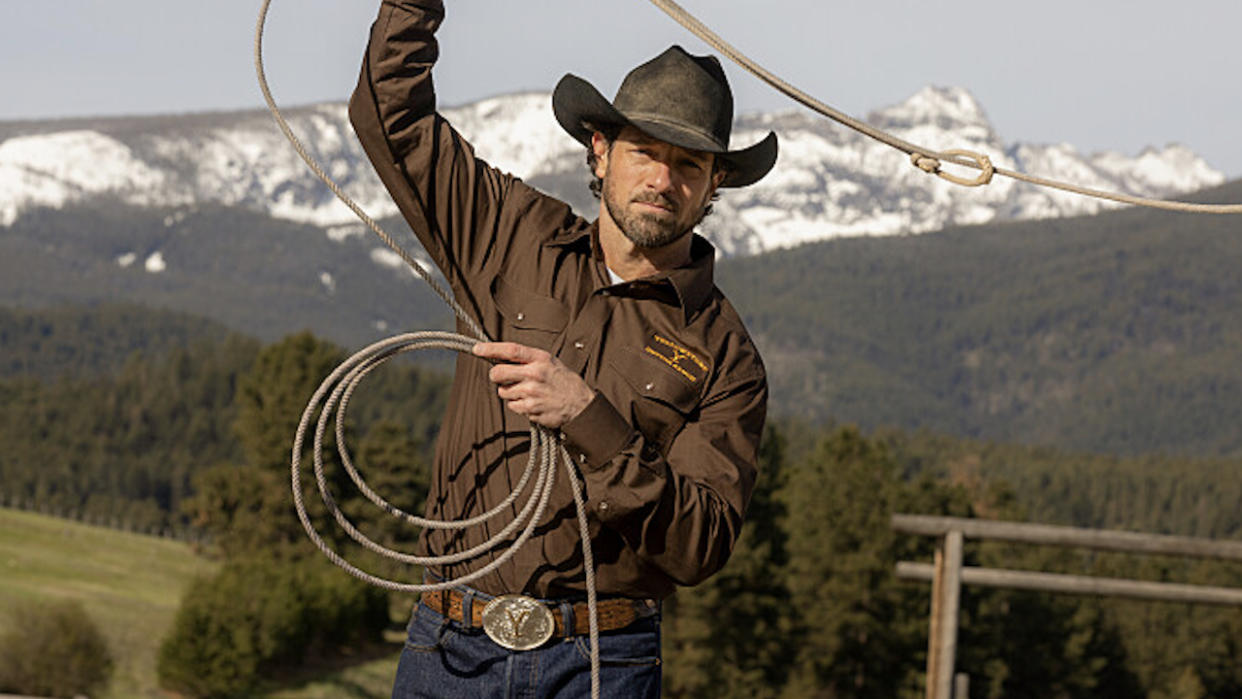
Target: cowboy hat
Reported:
point(675, 97)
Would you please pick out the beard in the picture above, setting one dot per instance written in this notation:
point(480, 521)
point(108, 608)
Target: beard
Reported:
point(648, 230)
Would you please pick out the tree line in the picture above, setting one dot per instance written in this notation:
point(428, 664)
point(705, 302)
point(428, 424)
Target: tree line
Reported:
point(808, 605)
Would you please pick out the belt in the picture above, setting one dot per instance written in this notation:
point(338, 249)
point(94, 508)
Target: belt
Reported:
point(614, 613)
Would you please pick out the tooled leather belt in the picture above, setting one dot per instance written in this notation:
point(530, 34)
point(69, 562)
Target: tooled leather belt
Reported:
point(517, 622)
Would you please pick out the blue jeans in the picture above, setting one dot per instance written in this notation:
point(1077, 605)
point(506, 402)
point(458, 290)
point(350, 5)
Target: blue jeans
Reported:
point(443, 660)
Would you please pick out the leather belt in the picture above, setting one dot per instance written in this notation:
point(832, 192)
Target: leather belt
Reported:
point(614, 613)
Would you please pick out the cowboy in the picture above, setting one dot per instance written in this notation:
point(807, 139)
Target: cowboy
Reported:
point(610, 332)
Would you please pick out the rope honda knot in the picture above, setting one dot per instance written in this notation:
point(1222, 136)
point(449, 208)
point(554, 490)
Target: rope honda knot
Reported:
point(931, 166)
point(926, 163)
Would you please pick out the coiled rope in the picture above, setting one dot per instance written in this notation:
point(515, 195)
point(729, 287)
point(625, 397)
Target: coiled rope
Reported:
point(925, 159)
point(334, 393)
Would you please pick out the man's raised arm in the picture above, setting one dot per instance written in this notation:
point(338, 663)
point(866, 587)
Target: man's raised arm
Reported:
point(451, 200)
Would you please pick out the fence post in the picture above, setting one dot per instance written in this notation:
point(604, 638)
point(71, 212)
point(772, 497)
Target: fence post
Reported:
point(961, 686)
point(946, 597)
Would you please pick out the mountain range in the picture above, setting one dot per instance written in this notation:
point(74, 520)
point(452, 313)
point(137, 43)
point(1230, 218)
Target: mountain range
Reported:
point(1115, 331)
point(828, 182)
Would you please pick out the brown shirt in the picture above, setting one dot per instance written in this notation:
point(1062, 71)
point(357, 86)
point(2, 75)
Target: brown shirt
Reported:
point(667, 448)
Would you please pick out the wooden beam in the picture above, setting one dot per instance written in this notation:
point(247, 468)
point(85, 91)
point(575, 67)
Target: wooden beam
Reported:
point(1080, 584)
point(1104, 540)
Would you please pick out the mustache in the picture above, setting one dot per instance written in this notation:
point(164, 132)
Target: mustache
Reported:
point(657, 199)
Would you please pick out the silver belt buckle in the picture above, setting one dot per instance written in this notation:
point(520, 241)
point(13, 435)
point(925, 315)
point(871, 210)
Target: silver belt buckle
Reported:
point(517, 622)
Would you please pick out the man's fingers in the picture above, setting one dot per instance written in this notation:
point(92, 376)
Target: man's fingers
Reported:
point(533, 383)
point(511, 392)
point(505, 352)
point(505, 374)
point(525, 406)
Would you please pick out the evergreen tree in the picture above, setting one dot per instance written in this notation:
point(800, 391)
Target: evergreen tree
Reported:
point(840, 573)
point(271, 397)
point(730, 636)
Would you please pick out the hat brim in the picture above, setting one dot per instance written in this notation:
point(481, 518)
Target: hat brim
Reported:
point(580, 109)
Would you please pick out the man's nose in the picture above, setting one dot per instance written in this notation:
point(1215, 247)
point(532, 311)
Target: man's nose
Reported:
point(661, 176)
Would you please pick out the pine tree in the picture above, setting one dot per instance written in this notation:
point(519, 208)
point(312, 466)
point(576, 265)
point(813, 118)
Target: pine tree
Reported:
point(729, 636)
point(840, 572)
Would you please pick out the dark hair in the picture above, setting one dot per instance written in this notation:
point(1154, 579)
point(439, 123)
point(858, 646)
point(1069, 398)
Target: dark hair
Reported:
point(610, 133)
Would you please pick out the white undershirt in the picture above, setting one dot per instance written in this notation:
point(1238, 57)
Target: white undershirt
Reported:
point(613, 276)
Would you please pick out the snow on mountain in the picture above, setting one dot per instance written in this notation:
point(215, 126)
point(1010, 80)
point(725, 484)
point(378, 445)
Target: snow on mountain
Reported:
point(56, 168)
point(829, 180)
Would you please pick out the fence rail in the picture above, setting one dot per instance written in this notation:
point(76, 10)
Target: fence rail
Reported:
point(1051, 535)
point(1080, 584)
point(947, 574)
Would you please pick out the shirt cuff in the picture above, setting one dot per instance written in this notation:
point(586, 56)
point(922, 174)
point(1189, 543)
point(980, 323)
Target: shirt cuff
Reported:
point(597, 434)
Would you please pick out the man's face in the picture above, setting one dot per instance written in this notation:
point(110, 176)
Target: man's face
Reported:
point(654, 191)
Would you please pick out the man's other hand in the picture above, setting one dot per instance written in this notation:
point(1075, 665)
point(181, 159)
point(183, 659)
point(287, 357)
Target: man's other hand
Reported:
point(535, 384)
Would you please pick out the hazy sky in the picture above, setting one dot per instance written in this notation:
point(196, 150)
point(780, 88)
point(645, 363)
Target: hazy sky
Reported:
point(1100, 74)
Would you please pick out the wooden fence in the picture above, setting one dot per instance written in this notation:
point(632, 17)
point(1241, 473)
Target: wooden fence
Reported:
point(947, 575)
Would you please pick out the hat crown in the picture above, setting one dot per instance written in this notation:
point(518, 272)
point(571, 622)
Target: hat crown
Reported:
point(675, 97)
point(679, 89)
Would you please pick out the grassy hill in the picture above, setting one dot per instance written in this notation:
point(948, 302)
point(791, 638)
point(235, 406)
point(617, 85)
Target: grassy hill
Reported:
point(130, 584)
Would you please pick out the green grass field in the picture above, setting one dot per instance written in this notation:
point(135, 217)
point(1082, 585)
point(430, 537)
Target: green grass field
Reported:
point(131, 585)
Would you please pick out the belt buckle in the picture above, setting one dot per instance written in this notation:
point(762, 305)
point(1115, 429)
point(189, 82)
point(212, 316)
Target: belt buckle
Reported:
point(517, 622)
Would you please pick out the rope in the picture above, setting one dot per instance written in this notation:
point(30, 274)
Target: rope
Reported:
point(925, 159)
point(333, 396)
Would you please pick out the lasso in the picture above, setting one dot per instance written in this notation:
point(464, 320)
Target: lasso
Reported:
point(333, 395)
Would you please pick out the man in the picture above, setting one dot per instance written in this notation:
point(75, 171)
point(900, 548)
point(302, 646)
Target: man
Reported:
point(611, 332)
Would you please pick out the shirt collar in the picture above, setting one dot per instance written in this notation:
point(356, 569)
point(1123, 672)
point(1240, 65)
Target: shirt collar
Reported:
point(693, 281)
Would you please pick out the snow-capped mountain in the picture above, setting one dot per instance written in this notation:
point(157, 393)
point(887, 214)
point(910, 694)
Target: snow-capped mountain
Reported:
point(829, 181)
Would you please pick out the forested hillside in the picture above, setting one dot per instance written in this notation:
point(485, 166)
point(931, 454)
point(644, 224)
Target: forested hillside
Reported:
point(1117, 333)
point(110, 413)
point(198, 435)
point(82, 341)
point(255, 274)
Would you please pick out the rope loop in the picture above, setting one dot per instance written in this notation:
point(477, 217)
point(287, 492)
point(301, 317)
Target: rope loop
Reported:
point(931, 166)
point(918, 154)
point(332, 397)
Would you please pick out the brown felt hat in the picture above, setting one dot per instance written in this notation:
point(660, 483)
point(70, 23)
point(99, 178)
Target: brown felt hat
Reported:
point(678, 98)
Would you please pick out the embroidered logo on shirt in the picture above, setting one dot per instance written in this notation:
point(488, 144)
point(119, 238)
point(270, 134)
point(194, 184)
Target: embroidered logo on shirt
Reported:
point(682, 360)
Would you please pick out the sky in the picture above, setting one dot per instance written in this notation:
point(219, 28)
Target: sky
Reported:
point(1098, 74)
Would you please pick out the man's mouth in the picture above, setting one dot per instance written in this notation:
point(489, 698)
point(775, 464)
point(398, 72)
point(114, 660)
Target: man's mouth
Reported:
point(656, 204)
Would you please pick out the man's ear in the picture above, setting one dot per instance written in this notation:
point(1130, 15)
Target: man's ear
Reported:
point(718, 176)
point(599, 144)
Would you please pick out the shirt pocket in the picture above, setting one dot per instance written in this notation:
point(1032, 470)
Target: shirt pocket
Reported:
point(662, 400)
point(528, 318)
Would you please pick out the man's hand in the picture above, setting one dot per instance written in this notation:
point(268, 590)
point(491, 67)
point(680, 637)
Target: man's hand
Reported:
point(535, 384)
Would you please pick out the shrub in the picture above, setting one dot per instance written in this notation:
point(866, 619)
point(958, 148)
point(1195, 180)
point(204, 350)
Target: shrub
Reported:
point(258, 617)
point(53, 649)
